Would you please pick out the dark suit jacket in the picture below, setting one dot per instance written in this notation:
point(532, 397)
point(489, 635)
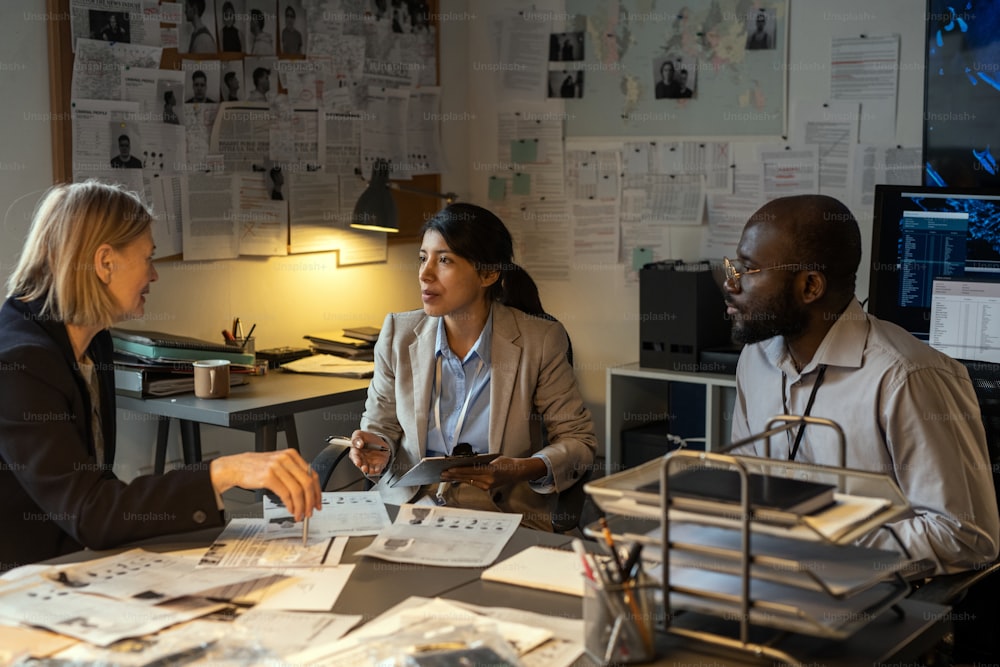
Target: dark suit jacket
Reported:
point(532, 388)
point(55, 497)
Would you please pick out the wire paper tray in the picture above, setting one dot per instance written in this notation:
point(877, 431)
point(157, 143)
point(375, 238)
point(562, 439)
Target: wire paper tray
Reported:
point(778, 606)
point(865, 500)
point(838, 573)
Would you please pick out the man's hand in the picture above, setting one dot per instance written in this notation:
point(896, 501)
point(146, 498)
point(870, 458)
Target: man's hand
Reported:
point(283, 472)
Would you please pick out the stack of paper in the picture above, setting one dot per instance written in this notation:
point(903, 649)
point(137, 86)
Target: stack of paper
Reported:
point(329, 364)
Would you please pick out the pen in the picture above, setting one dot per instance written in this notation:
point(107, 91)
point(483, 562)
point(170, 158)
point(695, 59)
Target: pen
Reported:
point(606, 532)
point(305, 531)
point(584, 559)
point(344, 440)
point(237, 328)
point(254, 326)
point(632, 559)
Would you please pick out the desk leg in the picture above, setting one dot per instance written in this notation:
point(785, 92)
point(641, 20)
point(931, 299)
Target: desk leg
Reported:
point(287, 424)
point(266, 436)
point(191, 441)
point(162, 434)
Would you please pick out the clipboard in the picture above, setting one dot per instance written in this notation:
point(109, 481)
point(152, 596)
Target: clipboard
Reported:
point(429, 470)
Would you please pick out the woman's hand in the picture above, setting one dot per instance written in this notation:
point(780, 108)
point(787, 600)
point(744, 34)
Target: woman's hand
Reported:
point(369, 453)
point(283, 472)
point(501, 471)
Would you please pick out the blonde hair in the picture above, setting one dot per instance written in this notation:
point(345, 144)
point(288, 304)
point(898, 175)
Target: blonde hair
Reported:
point(57, 262)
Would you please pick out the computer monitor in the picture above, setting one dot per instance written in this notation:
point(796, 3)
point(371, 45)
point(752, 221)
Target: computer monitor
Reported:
point(965, 318)
point(923, 233)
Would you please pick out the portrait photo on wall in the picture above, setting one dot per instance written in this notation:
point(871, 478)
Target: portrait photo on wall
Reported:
point(566, 46)
point(109, 26)
point(761, 26)
point(261, 82)
point(201, 81)
point(675, 78)
point(566, 84)
point(232, 89)
point(233, 24)
point(263, 26)
point(197, 31)
point(170, 94)
point(293, 28)
point(125, 143)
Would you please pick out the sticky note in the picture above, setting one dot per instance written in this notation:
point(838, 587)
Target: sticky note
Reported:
point(640, 257)
point(522, 184)
point(498, 188)
point(524, 150)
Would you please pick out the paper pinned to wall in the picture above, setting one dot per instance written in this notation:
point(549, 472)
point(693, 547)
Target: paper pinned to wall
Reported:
point(788, 171)
point(728, 214)
point(833, 128)
point(521, 61)
point(866, 70)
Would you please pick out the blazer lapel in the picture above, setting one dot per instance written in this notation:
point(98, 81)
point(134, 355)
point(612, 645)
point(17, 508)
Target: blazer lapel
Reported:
point(506, 359)
point(422, 367)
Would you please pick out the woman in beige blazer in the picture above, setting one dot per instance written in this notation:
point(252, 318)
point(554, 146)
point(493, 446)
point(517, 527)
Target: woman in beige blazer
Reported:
point(514, 393)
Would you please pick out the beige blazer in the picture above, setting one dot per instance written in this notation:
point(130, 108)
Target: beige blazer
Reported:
point(532, 386)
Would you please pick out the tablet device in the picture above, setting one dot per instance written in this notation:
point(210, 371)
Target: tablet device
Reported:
point(429, 470)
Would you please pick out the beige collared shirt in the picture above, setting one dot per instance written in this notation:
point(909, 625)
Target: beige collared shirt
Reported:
point(906, 410)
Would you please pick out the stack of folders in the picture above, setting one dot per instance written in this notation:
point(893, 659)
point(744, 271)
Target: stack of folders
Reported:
point(133, 378)
point(155, 346)
point(356, 343)
point(152, 363)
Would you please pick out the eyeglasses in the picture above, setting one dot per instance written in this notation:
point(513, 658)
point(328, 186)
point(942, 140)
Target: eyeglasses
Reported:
point(735, 270)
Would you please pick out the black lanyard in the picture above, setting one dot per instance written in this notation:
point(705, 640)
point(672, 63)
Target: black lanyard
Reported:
point(809, 405)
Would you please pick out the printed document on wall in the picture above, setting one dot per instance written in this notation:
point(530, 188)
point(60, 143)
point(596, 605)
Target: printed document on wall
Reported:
point(786, 171)
point(98, 67)
point(866, 70)
point(210, 228)
point(833, 128)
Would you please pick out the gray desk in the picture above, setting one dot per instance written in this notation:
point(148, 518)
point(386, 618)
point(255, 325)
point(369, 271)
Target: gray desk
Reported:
point(264, 406)
point(377, 585)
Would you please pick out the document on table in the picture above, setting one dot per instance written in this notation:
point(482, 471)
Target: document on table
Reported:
point(144, 577)
point(163, 648)
point(345, 513)
point(444, 536)
point(242, 544)
point(283, 632)
point(94, 619)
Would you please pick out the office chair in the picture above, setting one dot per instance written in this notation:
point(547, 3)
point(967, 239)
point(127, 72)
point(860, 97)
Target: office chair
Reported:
point(326, 462)
point(973, 595)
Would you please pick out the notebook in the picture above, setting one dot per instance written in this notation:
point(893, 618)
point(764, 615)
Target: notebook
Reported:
point(795, 496)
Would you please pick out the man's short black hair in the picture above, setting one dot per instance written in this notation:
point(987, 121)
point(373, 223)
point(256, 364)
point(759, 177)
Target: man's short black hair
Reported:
point(228, 77)
point(260, 73)
point(125, 137)
point(199, 75)
point(199, 6)
point(257, 16)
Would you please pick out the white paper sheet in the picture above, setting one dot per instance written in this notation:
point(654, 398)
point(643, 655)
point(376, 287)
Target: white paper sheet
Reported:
point(98, 67)
point(242, 135)
point(788, 171)
point(894, 165)
point(192, 636)
point(833, 128)
point(97, 126)
point(343, 513)
point(596, 234)
point(123, 21)
point(543, 234)
point(423, 131)
point(444, 536)
point(342, 149)
point(143, 576)
point(262, 222)
point(383, 134)
point(95, 619)
point(241, 544)
point(307, 589)
point(521, 65)
point(866, 70)
point(283, 632)
point(728, 214)
point(210, 226)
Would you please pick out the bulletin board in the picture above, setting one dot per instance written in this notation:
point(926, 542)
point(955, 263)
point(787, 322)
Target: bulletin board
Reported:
point(733, 56)
point(413, 209)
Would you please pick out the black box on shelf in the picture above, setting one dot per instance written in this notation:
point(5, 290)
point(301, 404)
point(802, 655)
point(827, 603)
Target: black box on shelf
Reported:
point(681, 312)
point(647, 442)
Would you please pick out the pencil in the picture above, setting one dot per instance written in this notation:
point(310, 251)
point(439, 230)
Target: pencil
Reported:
point(305, 531)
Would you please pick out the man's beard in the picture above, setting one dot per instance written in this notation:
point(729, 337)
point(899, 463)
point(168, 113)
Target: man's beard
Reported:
point(776, 316)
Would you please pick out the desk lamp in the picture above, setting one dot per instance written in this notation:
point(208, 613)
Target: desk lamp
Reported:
point(376, 209)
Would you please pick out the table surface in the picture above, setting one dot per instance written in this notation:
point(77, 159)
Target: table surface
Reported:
point(277, 394)
point(377, 585)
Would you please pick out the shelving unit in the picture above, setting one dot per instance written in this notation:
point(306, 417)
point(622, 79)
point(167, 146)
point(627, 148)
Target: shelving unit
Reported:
point(792, 576)
point(637, 395)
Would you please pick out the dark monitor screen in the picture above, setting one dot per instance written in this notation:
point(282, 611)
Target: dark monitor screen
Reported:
point(961, 84)
point(922, 233)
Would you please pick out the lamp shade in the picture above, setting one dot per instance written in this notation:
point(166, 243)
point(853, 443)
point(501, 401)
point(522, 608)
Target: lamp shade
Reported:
point(376, 209)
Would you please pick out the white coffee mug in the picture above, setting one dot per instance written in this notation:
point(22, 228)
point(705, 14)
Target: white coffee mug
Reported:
point(211, 378)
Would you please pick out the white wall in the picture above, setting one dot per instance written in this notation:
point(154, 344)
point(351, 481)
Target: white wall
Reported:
point(598, 308)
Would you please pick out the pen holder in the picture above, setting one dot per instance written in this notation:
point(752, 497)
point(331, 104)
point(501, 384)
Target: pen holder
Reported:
point(619, 621)
point(248, 348)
